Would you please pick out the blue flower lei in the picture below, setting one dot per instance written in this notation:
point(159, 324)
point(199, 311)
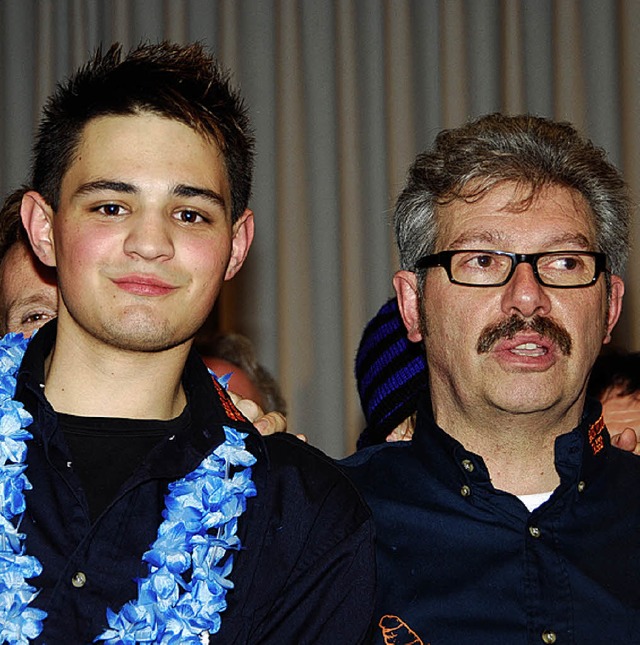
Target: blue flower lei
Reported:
point(181, 598)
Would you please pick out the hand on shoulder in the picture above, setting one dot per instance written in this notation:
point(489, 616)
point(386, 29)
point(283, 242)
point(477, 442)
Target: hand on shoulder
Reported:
point(626, 440)
point(265, 424)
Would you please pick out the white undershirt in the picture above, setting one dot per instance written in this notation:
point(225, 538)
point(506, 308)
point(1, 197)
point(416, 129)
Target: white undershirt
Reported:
point(534, 500)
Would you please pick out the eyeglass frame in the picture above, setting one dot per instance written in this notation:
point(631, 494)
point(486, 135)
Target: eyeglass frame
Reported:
point(443, 259)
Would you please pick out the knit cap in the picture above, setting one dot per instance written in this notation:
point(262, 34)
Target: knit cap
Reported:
point(391, 374)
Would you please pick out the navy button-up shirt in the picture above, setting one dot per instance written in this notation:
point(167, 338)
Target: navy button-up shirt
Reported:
point(462, 562)
point(305, 573)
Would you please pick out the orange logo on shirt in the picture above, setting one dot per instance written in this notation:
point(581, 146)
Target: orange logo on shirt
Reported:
point(230, 410)
point(396, 632)
point(595, 436)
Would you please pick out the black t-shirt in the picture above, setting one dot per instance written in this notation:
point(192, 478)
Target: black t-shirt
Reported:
point(106, 451)
point(304, 573)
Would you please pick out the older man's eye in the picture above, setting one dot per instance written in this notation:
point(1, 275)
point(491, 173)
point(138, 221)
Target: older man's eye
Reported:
point(37, 318)
point(482, 261)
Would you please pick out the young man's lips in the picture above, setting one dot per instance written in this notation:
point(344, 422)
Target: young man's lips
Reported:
point(144, 285)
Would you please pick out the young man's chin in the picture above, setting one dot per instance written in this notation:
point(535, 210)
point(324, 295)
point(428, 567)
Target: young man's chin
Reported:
point(143, 336)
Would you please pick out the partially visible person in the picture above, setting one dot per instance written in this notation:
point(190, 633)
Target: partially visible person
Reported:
point(28, 296)
point(232, 358)
point(615, 381)
point(234, 354)
point(391, 375)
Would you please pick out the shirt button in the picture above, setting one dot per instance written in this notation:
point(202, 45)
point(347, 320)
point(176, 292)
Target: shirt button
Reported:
point(79, 580)
point(535, 532)
point(548, 637)
point(581, 486)
point(467, 465)
point(465, 491)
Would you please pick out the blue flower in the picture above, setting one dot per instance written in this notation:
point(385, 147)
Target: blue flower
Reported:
point(12, 484)
point(223, 380)
point(232, 450)
point(18, 622)
point(171, 609)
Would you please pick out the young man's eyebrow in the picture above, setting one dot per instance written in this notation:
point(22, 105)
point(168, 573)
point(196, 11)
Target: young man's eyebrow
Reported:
point(180, 190)
point(105, 184)
point(183, 190)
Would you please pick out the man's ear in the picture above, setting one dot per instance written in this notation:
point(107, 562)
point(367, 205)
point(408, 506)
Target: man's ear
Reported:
point(242, 231)
point(37, 219)
point(406, 285)
point(615, 305)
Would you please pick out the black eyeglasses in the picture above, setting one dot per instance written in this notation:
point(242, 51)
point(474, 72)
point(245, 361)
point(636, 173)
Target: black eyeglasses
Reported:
point(559, 269)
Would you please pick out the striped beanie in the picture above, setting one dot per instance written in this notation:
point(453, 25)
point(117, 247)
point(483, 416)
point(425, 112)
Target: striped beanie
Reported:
point(391, 374)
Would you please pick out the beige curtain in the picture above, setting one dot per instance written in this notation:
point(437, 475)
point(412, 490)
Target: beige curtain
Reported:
point(343, 94)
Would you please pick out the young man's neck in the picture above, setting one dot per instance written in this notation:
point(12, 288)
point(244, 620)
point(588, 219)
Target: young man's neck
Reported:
point(87, 378)
point(518, 449)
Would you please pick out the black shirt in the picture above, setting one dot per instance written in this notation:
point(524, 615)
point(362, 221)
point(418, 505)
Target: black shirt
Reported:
point(460, 561)
point(105, 451)
point(305, 573)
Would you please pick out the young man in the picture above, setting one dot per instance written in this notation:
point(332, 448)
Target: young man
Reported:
point(29, 299)
point(509, 517)
point(154, 512)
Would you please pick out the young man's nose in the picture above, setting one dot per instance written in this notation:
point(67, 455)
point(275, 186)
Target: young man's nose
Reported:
point(148, 236)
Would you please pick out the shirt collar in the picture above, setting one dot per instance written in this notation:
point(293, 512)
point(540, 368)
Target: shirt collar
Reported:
point(210, 406)
point(579, 454)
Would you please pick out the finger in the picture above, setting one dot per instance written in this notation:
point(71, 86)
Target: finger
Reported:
point(271, 423)
point(250, 409)
point(234, 397)
point(626, 440)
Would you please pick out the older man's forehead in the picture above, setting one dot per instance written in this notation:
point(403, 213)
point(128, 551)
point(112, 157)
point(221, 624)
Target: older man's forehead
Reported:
point(468, 222)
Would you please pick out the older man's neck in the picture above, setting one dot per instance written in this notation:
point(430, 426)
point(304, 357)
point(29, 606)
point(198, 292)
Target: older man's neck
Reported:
point(518, 449)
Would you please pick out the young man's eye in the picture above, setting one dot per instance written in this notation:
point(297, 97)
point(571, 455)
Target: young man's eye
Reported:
point(112, 210)
point(190, 217)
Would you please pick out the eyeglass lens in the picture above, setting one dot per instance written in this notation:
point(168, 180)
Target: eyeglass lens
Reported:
point(487, 268)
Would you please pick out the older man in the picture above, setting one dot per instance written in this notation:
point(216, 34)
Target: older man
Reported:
point(508, 518)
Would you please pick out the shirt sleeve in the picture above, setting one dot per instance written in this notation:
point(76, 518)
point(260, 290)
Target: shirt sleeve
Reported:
point(312, 578)
point(329, 595)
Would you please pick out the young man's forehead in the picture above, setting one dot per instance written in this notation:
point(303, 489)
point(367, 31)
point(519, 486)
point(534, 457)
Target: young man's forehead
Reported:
point(95, 137)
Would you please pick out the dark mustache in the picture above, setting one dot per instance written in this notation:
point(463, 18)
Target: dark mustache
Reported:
point(509, 327)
